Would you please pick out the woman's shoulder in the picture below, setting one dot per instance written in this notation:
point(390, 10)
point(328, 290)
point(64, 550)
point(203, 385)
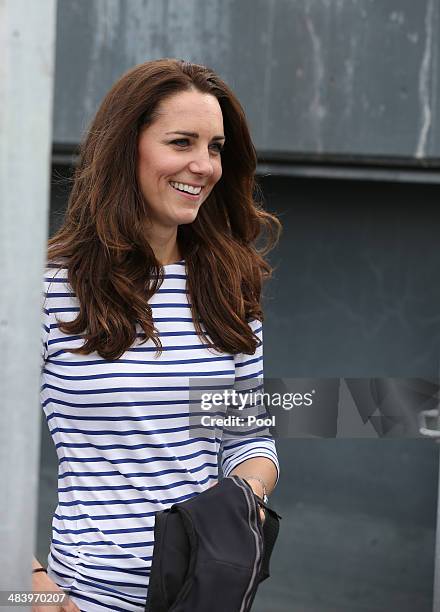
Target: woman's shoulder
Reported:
point(255, 324)
point(53, 267)
point(55, 273)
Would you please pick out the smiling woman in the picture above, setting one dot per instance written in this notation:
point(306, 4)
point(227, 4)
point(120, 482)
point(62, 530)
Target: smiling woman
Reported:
point(153, 280)
point(179, 162)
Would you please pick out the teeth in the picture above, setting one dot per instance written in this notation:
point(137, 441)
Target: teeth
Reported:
point(187, 188)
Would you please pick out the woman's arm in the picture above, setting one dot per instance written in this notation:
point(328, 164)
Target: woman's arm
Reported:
point(261, 468)
point(42, 583)
point(254, 455)
point(35, 563)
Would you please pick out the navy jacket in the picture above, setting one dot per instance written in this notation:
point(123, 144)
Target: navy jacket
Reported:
point(211, 551)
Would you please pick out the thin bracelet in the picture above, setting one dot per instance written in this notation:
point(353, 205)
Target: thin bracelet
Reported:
point(263, 484)
point(39, 569)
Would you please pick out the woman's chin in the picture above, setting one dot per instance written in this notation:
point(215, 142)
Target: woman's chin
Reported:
point(187, 217)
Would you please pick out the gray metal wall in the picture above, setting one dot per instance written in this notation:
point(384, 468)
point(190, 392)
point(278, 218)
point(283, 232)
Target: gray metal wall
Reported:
point(316, 77)
point(355, 292)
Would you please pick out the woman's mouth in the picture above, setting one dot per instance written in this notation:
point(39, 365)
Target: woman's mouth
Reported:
point(187, 191)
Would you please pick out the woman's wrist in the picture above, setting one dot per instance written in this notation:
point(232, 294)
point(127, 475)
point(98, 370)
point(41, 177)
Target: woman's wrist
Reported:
point(262, 489)
point(36, 565)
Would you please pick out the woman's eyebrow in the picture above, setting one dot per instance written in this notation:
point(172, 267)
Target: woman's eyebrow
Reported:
point(194, 135)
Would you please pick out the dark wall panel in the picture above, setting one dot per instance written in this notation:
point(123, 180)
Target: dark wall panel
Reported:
point(355, 291)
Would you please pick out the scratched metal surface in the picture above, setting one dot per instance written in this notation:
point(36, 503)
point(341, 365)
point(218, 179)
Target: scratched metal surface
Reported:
point(326, 77)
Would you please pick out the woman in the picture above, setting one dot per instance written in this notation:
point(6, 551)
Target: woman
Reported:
point(153, 278)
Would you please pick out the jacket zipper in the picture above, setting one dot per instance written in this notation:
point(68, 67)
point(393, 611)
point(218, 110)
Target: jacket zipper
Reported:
point(253, 524)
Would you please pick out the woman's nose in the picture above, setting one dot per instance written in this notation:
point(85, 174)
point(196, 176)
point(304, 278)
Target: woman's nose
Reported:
point(202, 164)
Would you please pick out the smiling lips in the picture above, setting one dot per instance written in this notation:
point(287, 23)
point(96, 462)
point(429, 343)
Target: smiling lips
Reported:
point(185, 188)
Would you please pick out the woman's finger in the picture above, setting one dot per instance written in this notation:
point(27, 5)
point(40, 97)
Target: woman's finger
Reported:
point(70, 606)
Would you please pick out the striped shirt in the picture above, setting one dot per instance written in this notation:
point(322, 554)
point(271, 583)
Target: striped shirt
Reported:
point(124, 447)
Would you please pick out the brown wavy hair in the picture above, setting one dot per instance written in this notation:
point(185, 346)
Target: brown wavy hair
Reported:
point(111, 267)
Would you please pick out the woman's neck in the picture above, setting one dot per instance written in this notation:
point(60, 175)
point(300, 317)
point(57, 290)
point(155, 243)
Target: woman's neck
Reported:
point(165, 248)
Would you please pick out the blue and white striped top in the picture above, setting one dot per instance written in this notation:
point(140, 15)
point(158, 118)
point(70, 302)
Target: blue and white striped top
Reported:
point(120, 429)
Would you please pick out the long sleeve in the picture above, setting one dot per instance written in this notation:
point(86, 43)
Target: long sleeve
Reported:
point(248, 375)
point(45, 321)
point(49, 288)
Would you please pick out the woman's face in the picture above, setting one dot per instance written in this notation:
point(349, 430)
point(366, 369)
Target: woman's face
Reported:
point(179, 159)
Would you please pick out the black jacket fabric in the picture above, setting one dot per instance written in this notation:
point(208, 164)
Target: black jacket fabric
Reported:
point(211, 551)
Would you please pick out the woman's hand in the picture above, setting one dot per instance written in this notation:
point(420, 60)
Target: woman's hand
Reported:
point(257, 489)
point(42, 582)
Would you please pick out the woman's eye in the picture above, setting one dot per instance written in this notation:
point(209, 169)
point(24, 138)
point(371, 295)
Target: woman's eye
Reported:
point(184, 142)
point(181, 142)
point(217, 147)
